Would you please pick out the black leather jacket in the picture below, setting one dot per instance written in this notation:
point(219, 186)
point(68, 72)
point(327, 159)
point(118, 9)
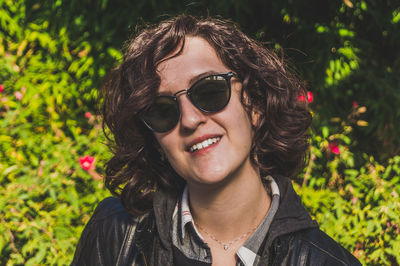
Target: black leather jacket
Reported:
point(114, 237)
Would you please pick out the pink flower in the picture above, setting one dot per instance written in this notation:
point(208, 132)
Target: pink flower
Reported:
point(1, 88)
point(355, 104)
point(88, 115)
point(354, 200)
point(18, 95)
point(310, 97)
point(333, 147)
point(87, 162)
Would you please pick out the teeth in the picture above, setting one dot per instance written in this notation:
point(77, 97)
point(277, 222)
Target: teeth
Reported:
point(204, 144)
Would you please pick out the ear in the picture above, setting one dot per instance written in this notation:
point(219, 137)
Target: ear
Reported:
point(255, 118)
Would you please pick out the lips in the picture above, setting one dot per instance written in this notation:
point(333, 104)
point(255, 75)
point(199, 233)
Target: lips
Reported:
point(202, 143)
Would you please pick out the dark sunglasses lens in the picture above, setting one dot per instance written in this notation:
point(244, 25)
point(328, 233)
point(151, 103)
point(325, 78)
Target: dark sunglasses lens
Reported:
point(162, 115)
point(211, 94)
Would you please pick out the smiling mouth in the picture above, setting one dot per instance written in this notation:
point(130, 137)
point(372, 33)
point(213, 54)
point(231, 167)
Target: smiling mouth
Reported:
point(204, 144)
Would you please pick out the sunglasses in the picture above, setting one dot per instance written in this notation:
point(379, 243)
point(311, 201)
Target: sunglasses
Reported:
point(209, 94)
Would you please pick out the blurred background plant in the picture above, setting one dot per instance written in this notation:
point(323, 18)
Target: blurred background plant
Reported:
point(54, 56)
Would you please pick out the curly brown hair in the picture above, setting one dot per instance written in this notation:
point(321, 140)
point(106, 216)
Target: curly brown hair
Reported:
point(136, 170)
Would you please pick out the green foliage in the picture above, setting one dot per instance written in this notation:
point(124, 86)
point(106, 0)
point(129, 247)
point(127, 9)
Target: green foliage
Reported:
point(46, 196)
point(55, 54)
point(359, 208)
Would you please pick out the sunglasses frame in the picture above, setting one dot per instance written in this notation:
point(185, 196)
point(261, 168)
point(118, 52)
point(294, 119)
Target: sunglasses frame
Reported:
point(227, 76)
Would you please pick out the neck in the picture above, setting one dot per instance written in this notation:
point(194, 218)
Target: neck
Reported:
point(230, 209)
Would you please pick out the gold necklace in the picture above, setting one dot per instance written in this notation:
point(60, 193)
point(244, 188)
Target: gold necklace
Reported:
point(226, 246)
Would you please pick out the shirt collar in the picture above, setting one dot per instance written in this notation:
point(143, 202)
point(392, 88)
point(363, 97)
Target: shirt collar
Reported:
point(248, 252)
point(186, 215)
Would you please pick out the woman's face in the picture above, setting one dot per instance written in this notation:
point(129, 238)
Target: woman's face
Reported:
point(230, 155)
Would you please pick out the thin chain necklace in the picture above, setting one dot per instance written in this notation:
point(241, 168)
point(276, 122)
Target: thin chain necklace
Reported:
point(226, 246)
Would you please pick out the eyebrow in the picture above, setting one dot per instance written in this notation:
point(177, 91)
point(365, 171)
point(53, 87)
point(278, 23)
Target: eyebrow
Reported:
point(200, 76)
point(194, 79)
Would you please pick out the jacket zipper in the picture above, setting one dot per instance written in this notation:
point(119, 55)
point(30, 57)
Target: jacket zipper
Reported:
point(144, 258)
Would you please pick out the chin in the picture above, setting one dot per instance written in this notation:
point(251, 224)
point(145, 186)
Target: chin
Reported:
point(210, 179)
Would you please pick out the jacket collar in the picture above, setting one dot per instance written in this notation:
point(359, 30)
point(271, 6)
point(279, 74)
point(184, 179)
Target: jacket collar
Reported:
point(164, 203)
point(291, 215)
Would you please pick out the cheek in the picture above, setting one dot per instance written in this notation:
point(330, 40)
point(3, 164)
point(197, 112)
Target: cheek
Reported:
point(239, 117)
point(167, 143)
point(245, 128)
point(162, 141)
point(169, 148)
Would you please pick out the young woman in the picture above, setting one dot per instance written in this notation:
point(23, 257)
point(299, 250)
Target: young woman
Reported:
point(207, 127)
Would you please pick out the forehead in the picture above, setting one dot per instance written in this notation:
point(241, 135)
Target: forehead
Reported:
point(197, 57)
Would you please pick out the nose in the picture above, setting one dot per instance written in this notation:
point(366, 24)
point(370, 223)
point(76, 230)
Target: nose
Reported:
point(191, 117)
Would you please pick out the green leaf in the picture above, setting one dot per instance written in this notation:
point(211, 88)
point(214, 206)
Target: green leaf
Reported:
point(325, 132)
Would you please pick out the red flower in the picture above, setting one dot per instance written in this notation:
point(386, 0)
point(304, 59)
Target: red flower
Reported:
point(88, 115)
point(333, 147)
point(87, 162)
point(310, 97)
point(1, 88)
point(355, 104)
